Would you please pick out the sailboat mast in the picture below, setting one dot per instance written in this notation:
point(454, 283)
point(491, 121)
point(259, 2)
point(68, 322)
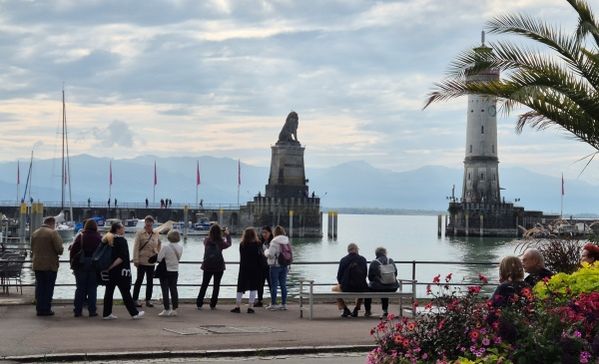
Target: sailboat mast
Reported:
point(62, 179)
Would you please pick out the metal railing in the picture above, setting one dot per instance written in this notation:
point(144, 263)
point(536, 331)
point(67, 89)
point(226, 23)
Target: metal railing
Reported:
point(413, 264)
point(131, 205)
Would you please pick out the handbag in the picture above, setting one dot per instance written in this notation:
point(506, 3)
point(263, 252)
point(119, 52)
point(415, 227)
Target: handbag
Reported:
point(160, 271)
point(153, 259)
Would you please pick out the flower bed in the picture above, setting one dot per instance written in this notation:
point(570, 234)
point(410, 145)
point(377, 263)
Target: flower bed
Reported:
point(557, 322)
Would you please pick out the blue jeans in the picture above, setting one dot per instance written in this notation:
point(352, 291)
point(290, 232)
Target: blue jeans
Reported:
point(44, 290)
point(86, 289)
point(278, 277)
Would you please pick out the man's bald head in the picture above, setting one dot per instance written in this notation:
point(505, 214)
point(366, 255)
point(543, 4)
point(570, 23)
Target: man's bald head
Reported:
point(532, 260)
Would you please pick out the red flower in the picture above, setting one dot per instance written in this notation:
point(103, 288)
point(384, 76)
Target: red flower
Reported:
point(448, 277)
point(474, 335)
point(428, 306)
point(428, 289)
point(437, 278)
point(474, 289)
point(484, 279)
point(411, 326)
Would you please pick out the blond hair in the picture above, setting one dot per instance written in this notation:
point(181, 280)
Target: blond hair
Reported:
point(279, 230)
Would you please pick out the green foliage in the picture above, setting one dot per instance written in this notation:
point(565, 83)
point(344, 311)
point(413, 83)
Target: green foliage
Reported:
point(562, 287)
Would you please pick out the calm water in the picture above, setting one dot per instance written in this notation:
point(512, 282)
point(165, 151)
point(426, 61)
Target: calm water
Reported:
point(405, 237)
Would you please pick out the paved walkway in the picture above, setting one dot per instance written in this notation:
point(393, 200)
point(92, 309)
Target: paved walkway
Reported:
point(22, 333)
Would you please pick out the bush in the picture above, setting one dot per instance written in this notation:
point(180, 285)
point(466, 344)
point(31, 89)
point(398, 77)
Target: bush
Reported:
point(462, 327)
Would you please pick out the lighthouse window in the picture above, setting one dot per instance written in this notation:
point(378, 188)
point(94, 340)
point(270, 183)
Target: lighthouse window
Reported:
point(468, 176)
point(482, 176)
point(470, 148)
point(482, 129)
point(493, 148)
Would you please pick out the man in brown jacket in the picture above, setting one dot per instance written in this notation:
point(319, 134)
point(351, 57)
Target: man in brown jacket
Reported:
point(147, 244)
point(46, 246)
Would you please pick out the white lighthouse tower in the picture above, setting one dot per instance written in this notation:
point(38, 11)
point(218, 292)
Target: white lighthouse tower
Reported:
point(481, 173)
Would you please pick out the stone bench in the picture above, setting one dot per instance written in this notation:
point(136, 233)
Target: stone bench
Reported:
point(308, 296)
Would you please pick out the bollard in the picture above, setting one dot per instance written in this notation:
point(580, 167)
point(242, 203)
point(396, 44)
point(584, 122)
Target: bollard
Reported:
point(439, 221)
point(467, 232)
point(335, 220)
point(290, 223)
point(330, 224)
point(482, 230)
point(185, 221)
point(220, 217)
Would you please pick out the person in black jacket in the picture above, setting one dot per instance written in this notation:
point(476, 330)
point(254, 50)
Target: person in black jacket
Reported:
point(250, 277)
point(351, 277)
point(119, 273)
point(213, 263)
point(265, 237)
point(381, 282)
point(85, 277)
point(534, 265)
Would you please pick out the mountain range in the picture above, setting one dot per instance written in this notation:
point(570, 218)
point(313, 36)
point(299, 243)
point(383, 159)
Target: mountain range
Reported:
point(354, 185)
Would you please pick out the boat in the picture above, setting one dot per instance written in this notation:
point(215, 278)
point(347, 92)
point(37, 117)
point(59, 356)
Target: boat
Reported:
point(134, 225)
point(66, 229)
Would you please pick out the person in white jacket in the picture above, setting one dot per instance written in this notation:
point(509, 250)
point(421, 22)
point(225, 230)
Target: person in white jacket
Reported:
point(278, 273)
point(171, 253)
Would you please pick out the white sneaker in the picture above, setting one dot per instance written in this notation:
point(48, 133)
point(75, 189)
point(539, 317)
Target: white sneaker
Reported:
point(282, 308)
point(165, 313)
point(272, 307)
point(110, 317)
point(173, 313)
point(139, 315)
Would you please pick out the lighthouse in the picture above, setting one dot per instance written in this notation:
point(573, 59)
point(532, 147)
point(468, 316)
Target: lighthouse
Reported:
point(481, 173)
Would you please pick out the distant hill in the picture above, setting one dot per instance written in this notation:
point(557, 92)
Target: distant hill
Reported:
point(357, 185)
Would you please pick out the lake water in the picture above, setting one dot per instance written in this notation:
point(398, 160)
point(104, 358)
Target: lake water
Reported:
point(406, 238)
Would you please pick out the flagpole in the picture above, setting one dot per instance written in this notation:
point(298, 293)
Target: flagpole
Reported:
point(155, 182)
point(18, 181)
point(238, 179)
point(110, 181)
point(561, 214)
point(197, 182)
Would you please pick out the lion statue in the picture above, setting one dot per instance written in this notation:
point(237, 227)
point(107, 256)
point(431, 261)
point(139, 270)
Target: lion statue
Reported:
point(289, 132)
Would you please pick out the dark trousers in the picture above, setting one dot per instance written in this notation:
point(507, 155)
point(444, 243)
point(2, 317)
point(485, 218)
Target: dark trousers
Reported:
point(125, 287)
point(265, 277)
point(169, 283)
point(215, 288)
point(384, 301)
point(85, 291)
point(44, 290)
point(148, 271)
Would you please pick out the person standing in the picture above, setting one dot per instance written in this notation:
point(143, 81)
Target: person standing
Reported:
point(265, 238)
point(172, 254)
point(213, 263)
point(250, 275)
point(351, 277)
point(119, 273)
point(147, 245)
point(85, 277)
point(278, 273)
point(46, 246)
point(382, 275)
point(534, 264)
point(147, 202)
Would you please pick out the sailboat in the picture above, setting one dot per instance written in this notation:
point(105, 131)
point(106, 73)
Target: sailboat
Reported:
point(66, 229)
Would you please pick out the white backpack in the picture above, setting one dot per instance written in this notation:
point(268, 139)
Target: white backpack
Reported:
point(387, 273)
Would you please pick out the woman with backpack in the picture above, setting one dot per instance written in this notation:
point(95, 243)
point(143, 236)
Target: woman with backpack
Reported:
point(171, 254)
point(213, 263)
point(265, 239)
point(382, 275)
point(250, 276)
point(119, 273)
point(278, 268)
point(81, 253)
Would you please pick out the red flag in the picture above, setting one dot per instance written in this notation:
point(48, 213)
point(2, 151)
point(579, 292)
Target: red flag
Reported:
point(562, 184)
point(198, 180)
point(239, 172)
point(110, 176)
point(155, 175)
point(18, 174)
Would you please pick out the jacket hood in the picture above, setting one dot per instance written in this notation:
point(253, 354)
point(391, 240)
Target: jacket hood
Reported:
point(281, 239)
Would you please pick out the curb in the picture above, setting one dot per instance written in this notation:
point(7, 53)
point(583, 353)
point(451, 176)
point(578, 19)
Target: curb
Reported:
point(292, 350)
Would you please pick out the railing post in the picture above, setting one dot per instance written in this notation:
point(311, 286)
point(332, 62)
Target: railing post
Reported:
point(413, 270)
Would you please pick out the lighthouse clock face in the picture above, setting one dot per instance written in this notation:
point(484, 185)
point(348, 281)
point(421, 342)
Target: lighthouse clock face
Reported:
point(492, 110)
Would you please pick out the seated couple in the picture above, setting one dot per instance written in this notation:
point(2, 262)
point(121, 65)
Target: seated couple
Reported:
point(351, 277)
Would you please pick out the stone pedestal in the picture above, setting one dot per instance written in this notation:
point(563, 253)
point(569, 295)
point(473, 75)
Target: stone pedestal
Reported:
point(287, 175)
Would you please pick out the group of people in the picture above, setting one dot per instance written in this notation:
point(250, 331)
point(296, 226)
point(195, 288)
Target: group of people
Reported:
point(512, 269)
point(259, 263)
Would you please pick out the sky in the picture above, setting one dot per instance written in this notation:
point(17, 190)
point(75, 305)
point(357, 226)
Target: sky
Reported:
point(194, 78)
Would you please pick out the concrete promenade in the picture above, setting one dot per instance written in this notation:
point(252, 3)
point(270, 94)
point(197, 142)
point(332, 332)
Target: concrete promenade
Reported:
point(193, 332)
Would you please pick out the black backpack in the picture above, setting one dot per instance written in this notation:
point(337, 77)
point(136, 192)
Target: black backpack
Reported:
point(213, 257)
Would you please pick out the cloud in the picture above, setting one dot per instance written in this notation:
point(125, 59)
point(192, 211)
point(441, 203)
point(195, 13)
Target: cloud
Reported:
point(117, 133)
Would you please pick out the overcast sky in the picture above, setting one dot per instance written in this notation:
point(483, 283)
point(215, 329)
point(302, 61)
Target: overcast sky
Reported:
point(219, 77)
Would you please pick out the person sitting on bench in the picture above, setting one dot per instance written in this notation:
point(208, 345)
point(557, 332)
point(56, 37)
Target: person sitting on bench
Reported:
point(382, 275)
point(351, 277)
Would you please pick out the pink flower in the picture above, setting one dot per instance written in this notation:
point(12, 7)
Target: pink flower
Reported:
point(437, 278)
point(486, 342)
point(484, 279)
point(474, 289)
point(428, 289)
point(448, 277)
